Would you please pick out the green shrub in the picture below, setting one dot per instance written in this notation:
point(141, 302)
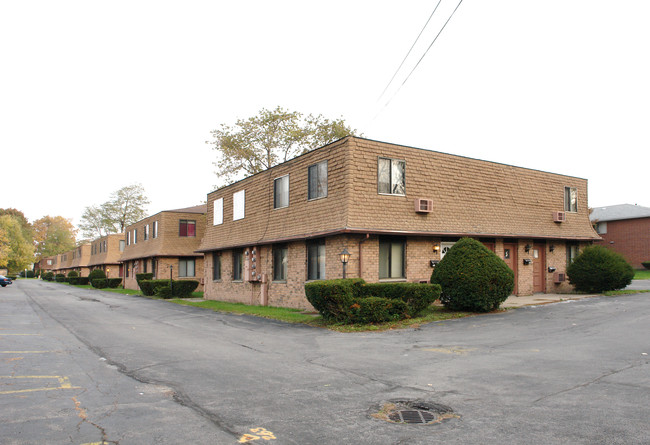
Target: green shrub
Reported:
point(184, 288)
point(48, 276)
point(96, 273)
point(29, 274)
point(73, 280)
point(147, 287)
point(333, 298)
point(473, 278)
point(83, 281)
point(416, 296)
point(597, 269)
point(376, 310)
point(59, 278)
point(646, 264)
point(113, 283)
point(73, 274)
point(143, 276)
point(99, 283)
point(164, 291)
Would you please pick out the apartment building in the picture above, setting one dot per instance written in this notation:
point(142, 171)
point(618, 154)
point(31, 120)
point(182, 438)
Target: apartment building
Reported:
point(397, 210)
point(105, 253)
point(624, 228)
point(76, 260)
point(165, 244)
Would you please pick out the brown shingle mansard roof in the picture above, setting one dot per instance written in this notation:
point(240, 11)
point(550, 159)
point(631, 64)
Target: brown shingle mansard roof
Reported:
point(471, 198)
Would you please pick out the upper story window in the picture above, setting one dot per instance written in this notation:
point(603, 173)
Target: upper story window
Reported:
point(238, 205)
point(135, 236)
point(317, 174)
point(281, 192)
point(128, 238)
point(570, 199)
point(154, 229)
point(217, 209)
point(146, 232)
point(121, 245)
point(390, 176)
point(186, 227)
point(601, 227)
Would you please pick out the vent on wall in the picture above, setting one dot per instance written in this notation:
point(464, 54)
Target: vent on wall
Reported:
point(559, 217)
point(423, 205)
point(559, 277)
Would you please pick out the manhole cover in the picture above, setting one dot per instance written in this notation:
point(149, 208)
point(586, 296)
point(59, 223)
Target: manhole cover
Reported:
point(413, 412)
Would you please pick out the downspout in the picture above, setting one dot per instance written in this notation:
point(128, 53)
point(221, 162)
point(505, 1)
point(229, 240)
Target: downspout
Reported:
point(361, 253)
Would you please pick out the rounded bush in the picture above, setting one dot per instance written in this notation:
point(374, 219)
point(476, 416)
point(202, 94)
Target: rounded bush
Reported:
point(73, 274)
point(473, 278)
point(96, 273)
point(597, 269)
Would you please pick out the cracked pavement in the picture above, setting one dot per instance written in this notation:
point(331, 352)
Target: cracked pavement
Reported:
point(149, 371)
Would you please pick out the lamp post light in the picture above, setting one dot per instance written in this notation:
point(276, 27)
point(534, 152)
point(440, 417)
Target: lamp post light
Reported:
point(345, 257)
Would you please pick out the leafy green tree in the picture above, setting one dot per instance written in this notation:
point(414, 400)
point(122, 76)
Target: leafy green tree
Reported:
point(53, 235)
point(125, 207)
point(26, 227)
point(260, 142)
point(16, 251)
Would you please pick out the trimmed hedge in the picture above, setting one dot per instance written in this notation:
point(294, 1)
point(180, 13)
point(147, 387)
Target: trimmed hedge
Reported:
point(48, 276)
point(102, 283)
point(84, 281)
point(59, 278)
point(143, 276)
point(161, 288)
point(473, 278)
point(96, 273)
point(73, 274)
point(598, 269)
point(73, 280)
point(355, 301)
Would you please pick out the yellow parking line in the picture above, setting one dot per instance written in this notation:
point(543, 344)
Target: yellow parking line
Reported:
point(64, 383)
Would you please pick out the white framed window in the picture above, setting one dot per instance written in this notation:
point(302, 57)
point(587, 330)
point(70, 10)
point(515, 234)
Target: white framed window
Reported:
point(391, 258)
point(238, 205)
point(154, 229)
point(217, 209)
point(317, 180)
point(146, 232)
point(186, 268)
point(391, 176)
point(135, 236)
point(128, 238)
point(570, 199)
point(281, 192)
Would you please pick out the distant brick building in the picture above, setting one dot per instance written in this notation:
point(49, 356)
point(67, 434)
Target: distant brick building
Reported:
point(73, 260)
point(624, 228)
point(105, 253)
point(397, 210)
point(165, 244)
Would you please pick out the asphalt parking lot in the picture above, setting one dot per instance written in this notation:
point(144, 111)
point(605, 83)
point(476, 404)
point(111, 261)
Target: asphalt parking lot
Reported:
point(86, 367)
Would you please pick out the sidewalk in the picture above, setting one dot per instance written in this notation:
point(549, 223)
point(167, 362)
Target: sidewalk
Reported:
point(533, 300)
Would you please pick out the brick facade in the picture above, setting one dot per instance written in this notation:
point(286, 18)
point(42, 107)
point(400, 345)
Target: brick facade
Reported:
point(158, 238)
point(630, 238)
point(105, 253)
point(495, 203)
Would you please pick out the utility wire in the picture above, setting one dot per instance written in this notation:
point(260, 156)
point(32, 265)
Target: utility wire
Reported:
point(423, 55)
point(409, 51)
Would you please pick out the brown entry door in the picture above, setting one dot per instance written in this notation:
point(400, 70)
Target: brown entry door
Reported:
point(539, 260)
point(510, 257)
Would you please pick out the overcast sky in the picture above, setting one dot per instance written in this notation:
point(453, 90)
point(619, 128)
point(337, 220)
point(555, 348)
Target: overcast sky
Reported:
point(98, 95)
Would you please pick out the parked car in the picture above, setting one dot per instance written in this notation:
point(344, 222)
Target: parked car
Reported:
point(4, 281)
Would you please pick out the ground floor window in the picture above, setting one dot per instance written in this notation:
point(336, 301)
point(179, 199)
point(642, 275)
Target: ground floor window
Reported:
point(144, 266)
point(571, 253)
point(216, 266)
point(280, 262)
point(316, 260)
point(391, 257)
point(186, 268)
point(237, 264)
point(154, 267)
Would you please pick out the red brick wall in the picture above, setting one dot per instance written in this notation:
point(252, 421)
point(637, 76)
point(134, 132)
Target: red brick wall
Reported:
point(630, 238)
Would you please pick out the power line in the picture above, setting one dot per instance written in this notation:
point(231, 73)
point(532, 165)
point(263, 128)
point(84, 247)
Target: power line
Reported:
point(423, 55)
point(409, 51)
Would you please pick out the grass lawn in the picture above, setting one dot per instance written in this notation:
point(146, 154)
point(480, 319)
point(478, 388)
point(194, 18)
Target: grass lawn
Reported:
point(643, 274)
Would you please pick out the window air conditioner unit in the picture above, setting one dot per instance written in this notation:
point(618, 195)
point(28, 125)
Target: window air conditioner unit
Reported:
point(559, 277)
point(559, 217)
point(423, 205)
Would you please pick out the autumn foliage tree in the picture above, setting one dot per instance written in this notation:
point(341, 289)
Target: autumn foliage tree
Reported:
point(16, 250)
point(273, 136)
point(53, 235)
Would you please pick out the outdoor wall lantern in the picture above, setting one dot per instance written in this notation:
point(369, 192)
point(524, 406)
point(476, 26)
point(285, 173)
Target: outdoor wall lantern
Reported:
point(108, 272)
point(551, 269)
point(345, 257)
point(436, 248)
point(527, 261)
point(527, 248)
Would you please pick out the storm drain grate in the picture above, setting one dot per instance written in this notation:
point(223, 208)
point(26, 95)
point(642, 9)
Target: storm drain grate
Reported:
point(414, 412)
